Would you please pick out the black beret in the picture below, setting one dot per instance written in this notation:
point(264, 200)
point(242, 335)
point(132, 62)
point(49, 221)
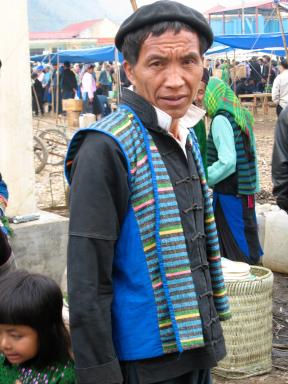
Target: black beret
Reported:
point(160, 11)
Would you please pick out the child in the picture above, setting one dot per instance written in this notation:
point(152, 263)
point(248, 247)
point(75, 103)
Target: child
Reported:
point(7, 259)
point(34, 342)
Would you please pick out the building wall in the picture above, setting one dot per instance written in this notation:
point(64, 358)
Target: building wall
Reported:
point(233, 25)
point(16, 144)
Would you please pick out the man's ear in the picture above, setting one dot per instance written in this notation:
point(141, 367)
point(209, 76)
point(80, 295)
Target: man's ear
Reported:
point(129, 70)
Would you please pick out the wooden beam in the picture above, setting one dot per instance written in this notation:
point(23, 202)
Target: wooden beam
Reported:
point(134, 5)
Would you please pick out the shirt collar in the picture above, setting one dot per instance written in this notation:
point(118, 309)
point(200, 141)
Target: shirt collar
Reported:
point(156, 119)
point(190, 119)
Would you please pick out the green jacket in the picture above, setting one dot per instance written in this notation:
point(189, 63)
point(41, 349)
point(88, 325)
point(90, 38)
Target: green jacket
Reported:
point(57, 374)
point(200, 132)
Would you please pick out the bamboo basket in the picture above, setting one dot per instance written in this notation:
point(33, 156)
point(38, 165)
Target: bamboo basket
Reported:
point(248, 334)
point(72, 105)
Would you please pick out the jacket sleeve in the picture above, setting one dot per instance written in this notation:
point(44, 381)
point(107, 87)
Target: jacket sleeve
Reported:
point(276, 90)
point(223, 138)
point(98, 202)
point(280, 161)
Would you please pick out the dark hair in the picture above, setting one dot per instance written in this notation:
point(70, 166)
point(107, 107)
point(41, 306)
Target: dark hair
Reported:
point(67, 64)
point(284, 64)
point(36, 301)
point(99, 91)
point(133, 41)
point(34, 75)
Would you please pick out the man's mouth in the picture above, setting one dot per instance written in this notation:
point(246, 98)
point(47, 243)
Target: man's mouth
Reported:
point(173, 99)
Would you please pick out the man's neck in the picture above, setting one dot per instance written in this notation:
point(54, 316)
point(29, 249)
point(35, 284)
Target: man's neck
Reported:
point(174, 128)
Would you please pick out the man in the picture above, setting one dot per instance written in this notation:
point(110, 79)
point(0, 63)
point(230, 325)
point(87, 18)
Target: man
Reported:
point(68, 82)
point(280, 161)
point(142, 306)
point(255, 71)
point(280, 88)
point(199, 128)
point(105, 79)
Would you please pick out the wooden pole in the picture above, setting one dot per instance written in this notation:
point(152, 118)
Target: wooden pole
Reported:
point(57, 88)
point(134, 5)
point(282, 30)
point(234, 69)
point(118, 81)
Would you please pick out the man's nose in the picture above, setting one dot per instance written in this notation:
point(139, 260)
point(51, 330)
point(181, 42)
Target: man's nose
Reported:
point(174, 77)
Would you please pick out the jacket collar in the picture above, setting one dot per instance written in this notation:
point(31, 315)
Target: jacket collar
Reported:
point(156, 119)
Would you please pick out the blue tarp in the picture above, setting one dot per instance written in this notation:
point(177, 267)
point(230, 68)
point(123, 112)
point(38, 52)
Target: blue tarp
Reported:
point(266, 42)
point(90, 55)
point(252, 41)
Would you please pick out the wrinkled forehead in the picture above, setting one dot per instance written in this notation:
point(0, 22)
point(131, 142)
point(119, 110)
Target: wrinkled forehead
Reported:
point(181, 43)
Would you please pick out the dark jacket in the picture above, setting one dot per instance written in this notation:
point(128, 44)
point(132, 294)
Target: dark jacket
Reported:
point(68, 80)
point(255, 73)
point(280, 161)
point(95, 222)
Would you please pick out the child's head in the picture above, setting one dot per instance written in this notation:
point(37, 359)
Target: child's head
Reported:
point(31, 323)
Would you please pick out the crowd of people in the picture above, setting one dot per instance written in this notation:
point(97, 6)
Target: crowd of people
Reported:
point(80, 81)
point(258, 75)
point(146, 289)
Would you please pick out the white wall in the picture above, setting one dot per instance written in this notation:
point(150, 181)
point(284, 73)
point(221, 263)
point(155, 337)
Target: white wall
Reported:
point(16, 154)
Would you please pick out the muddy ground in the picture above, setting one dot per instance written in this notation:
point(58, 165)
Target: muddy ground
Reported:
point(51, 187)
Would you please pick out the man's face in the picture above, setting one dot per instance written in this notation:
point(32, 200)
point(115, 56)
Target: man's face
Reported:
point(200, 95)
point(168, 71)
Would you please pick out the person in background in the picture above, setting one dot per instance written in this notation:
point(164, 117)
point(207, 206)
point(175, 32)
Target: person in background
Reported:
point(34, 342)
point(104, 104)
point(105, 79)
point(280, 161)
point(255, 69)
point(68, 82)
point(53, 88)
point(7, 259)
point(88, 88)
point(232, 173)
point(145, 284)
point(91, 103)
point(47, 98)
point(37, 95)
point(280, 88)
point(77, 70)
point(199, 128)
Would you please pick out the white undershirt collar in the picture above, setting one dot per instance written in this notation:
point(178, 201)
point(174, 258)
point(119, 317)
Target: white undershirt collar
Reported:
point(189, 120)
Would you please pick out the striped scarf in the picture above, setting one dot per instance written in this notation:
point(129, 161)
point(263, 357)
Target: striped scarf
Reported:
point(220, 97)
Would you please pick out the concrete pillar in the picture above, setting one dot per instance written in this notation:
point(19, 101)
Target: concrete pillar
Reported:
point(16, 138)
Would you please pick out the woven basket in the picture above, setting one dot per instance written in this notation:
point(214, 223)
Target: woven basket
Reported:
point(72, 105)
point(248, 334)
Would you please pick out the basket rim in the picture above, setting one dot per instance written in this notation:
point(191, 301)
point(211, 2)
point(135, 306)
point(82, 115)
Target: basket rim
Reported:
point(268, 274)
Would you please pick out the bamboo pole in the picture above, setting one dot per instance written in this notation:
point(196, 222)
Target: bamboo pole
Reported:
point(134, 5)
point(234, 69)
point(57, 88)
point(282, 30)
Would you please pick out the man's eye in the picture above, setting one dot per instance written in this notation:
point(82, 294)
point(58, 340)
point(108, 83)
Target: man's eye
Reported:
point(189, 61)
point(156, 64)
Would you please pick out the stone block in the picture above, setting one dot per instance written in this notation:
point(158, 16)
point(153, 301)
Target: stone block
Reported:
point(41, 245)
point(276, 241)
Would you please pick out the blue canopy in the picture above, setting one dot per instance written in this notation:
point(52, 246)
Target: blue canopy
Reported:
point(253, 41)
point(90, 55)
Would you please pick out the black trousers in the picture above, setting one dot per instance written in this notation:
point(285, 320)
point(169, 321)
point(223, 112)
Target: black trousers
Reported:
point(202, 376)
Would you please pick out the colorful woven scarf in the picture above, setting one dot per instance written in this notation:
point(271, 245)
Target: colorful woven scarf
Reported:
point(220, 97)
